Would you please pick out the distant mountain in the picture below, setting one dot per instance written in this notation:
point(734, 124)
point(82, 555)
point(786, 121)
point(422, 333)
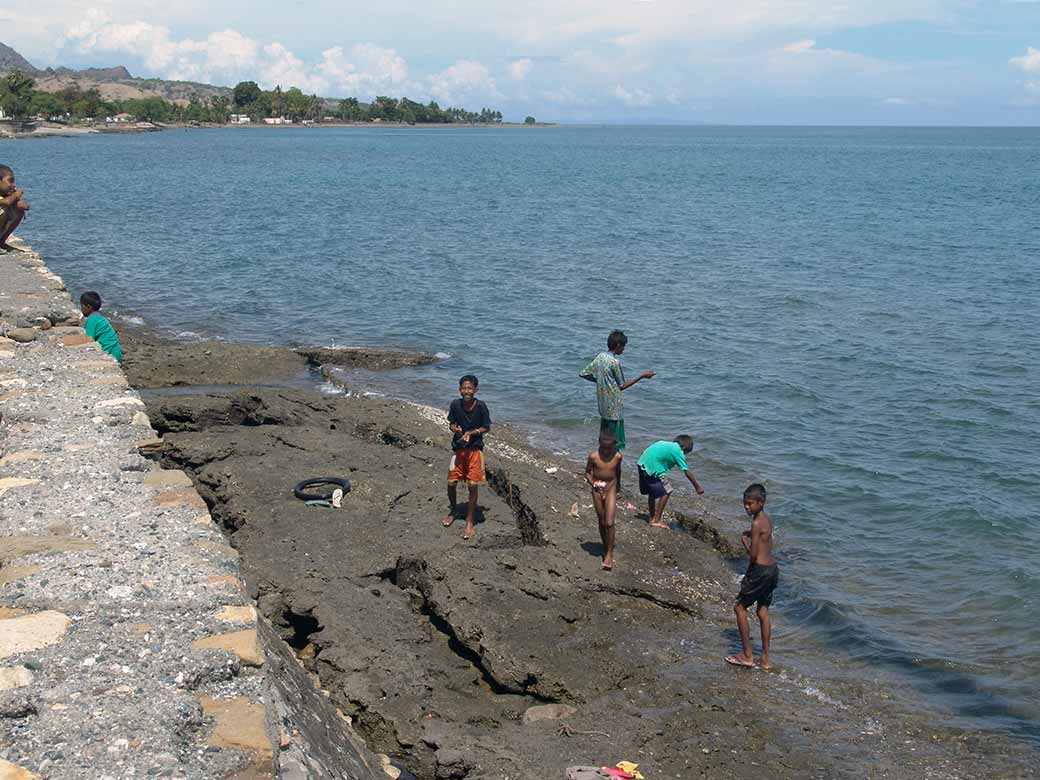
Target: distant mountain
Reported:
point(12, 60)
point(113, 83)
point(101, 74)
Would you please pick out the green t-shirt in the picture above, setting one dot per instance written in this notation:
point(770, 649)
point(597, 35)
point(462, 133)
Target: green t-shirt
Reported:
point(101, 330)
point(661, 457)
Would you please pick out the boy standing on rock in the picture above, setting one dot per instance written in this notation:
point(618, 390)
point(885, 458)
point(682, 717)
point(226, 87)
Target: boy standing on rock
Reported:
point(761, 578)
point(12, 207)
point(605, 371)
point(468, 420)
point(603, 473)
point(97, 326)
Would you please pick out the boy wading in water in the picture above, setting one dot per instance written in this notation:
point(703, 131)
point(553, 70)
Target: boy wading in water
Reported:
point(656, 461)
point(12, 207)
point(603, 472)
point(761, 578)
point(605, 371)
point(469, 420)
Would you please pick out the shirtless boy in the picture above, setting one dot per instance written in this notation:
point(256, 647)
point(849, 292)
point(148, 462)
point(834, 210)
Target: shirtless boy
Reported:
point(760, 580)
point(12, 207)
point(603, 472)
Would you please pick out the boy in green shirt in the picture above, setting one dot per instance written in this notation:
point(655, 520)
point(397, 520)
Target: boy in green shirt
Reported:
point(656, 461)
point(97, 326)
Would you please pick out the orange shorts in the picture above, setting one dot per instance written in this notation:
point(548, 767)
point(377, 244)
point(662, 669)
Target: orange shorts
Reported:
point(467, 465)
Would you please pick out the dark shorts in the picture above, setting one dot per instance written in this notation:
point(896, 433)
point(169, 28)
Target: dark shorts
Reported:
point(758, 585)
point(658, 487)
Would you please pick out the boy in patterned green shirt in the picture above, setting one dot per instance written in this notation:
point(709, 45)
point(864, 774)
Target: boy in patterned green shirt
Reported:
point(605, 371)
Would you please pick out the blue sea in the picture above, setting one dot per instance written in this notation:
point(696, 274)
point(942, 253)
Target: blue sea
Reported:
point(847, 314)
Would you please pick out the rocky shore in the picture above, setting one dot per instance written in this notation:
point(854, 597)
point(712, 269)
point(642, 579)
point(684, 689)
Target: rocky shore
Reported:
point(514, 655)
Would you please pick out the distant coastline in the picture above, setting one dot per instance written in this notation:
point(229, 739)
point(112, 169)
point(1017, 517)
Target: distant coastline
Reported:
point(55, 130)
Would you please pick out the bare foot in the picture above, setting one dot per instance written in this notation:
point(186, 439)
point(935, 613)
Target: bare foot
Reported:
point(765, 665)
point(658, 524)
point(470, 532)
point(741, 661)
point(608, 564)
point(448, 520)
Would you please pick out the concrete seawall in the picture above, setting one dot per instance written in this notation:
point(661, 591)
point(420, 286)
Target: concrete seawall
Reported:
point(129, 644)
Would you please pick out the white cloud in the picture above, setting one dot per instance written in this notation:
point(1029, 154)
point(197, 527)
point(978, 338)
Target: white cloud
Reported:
point(634, 97)
point(799, 47)
point(1029, 62)
point(519, 69)
point(466, 78)
point(366, 70)
point(228, 56)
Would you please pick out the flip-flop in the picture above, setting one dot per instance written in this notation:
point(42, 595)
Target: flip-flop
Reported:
point(607, 568)
point(732, 660)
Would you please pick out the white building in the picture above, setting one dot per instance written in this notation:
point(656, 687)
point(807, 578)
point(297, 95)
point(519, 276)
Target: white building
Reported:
point(240, 119)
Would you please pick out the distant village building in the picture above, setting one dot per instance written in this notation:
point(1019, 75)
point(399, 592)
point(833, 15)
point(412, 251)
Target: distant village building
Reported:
point(240, 119)
point(118, 118)
point(277, 120)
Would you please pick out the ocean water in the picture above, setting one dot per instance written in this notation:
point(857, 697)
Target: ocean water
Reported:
point(847, 314)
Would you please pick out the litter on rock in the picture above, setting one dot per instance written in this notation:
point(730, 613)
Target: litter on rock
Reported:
point(625, 770)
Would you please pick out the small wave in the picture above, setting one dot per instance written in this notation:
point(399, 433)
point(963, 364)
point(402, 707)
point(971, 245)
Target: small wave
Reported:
point(442, 355)
point(130, 319)
point(331, 388)
point(810, 690)
point(373, 394)
point(189, 335)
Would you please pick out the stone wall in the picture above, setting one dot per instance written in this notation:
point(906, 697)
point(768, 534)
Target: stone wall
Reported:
point(129, 646)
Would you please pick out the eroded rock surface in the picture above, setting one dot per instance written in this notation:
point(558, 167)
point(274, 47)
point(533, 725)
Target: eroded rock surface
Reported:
point(435, 647)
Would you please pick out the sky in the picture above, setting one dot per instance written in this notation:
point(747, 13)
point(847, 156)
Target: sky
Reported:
point(893, 62)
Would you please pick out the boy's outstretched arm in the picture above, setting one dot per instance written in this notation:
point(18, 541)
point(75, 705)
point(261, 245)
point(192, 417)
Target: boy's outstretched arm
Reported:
point(644, 375)
point(693, 481)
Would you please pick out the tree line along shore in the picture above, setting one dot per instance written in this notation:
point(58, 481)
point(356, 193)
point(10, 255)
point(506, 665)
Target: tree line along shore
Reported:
point(246, 103)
